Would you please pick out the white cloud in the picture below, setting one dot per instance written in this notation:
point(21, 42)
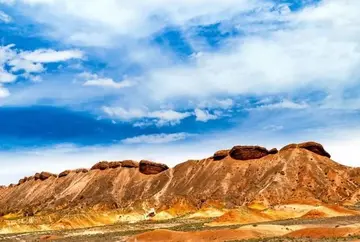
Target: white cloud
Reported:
point(284, 104)
point(4, 17)
point(204, 115)
point(101, 22)
point(216, 103)
point(316, 48)
point(4, 92)
point(29, 62)
point(26, 65)
point(158, 118)
point(95, 80)
point(49, 55)
point(6, 77)
point(156, 138)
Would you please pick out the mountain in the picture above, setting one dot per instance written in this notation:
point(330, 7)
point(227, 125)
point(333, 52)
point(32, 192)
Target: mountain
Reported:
point(241, 176)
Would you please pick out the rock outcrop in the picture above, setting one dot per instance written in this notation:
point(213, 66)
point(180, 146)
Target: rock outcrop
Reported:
point(248, 152)
point(151, 168)
point(114, 164)
point(81, 170)
point(129, 164)
point(22, 181)
point(64, 173)
point(46, 175)
point(273, 151)
point(102, 165)
point(221, 154)
point(312, 146)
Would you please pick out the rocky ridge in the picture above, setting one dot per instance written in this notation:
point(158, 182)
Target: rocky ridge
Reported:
point(240, 176)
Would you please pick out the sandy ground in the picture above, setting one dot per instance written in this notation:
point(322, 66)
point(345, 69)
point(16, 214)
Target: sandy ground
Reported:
point(345, 228)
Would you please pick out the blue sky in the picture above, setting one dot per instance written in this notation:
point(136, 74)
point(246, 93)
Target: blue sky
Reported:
point(172, 80)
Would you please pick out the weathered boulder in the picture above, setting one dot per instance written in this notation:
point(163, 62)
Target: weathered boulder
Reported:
point(37, 176)
point(46, 175)
point(12, 185)
point(22, 181)
point(273, 151)
point(81, 170)
point(130, 164)
point(151, 168)
point(64, 173)
point(221, 154)
point(114, 164)
point(248, 152)
point(314, 147)
point(102, 165)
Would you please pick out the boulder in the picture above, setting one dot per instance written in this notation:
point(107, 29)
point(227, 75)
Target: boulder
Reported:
point(114, 164)
point(102, 165)
point(273, 151)
point(22, 181)
point(314, 147)
point(64, 173)
point(37, 176)
point(12, 185)
point(221, 154)
point(248, 152)
point(151, 168)
point(81, 170)
point(46, 175)
point(130, 164)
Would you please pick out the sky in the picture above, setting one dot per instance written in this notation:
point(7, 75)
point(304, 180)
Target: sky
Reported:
point(171, 80)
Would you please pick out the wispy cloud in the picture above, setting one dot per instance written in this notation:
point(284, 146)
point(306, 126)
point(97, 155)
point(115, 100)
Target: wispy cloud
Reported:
point(5, 17)
point(49, 55)
point(96, 80)
point(156, 138)
point(284, 104)
point(159, 117)
point(204, 115)
point(105, 23)
point(4, 92)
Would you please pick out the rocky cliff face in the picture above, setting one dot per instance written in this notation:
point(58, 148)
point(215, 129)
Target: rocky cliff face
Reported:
point(240, 176)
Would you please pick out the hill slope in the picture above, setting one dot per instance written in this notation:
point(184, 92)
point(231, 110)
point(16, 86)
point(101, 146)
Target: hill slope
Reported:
point(293, 174)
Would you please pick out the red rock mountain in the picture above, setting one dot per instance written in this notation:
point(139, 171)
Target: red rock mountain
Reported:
point(235, 177)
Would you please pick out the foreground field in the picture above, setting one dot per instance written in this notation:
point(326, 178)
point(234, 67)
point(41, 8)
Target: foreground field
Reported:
point(345, 228)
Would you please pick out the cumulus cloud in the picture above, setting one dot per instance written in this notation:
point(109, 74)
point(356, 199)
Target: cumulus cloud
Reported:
point(156, 138)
